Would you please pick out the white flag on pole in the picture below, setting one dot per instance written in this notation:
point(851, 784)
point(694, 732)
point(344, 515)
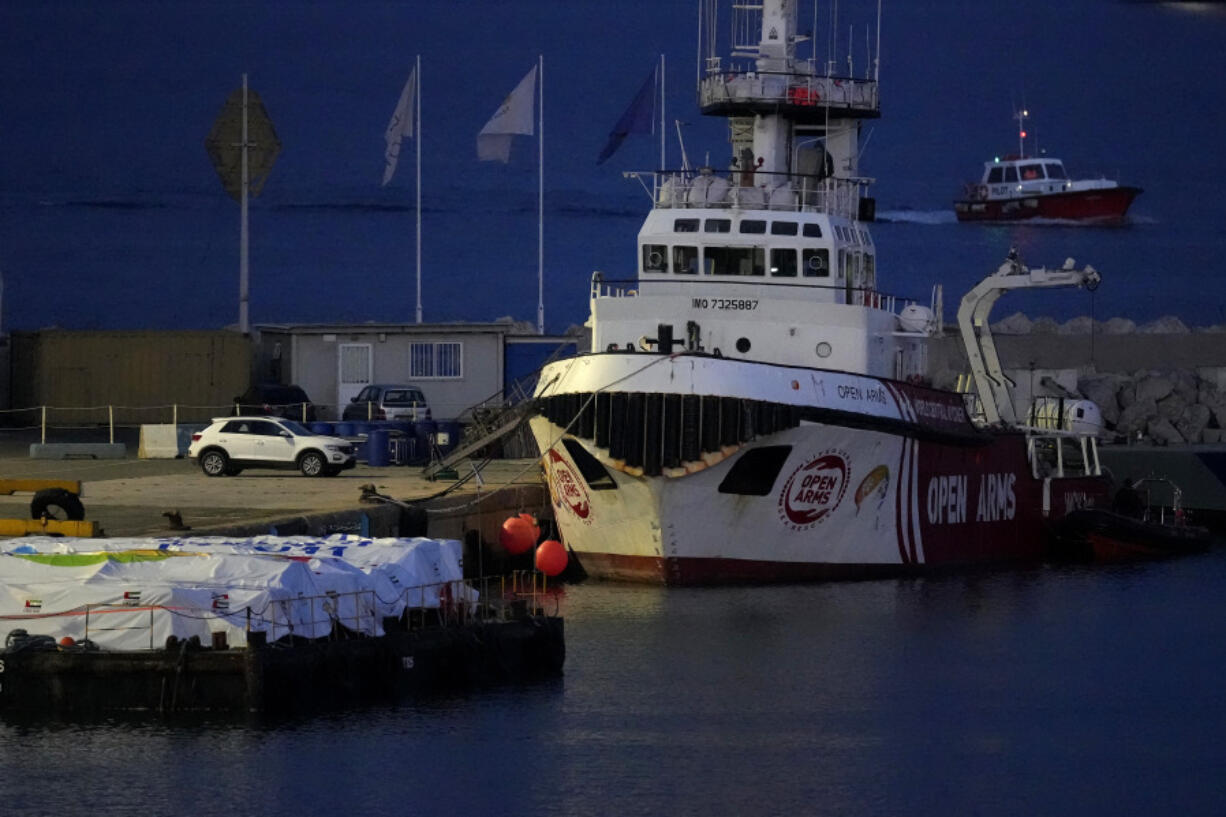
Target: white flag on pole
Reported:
point(513, 118)
point(400, 126)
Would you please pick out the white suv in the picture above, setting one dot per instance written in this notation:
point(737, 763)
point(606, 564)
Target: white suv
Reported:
point(231, 444)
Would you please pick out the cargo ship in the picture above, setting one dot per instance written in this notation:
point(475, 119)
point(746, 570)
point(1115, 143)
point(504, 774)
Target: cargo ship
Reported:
point(753, 405)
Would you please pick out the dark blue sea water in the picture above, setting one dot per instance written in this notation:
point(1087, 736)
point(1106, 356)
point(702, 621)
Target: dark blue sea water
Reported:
point(1046, 691)
point(111, 215)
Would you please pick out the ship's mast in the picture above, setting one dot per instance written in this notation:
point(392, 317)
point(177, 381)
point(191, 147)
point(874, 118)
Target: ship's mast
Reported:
point(776, 53)
point(789, 124)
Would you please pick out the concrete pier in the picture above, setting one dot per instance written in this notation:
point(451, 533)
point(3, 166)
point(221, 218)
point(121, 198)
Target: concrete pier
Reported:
point(135, 497)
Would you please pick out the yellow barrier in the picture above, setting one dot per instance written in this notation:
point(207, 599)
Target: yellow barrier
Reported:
point(23, 527)
point(13, 486)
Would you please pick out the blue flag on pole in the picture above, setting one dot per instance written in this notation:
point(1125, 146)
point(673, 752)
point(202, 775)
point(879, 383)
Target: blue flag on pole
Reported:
point(638, 118)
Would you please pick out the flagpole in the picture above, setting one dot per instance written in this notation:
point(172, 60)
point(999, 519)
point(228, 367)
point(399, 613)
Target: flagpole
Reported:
point(540, 205)
point(662, 159)
point(243, 232)
point(417, 124)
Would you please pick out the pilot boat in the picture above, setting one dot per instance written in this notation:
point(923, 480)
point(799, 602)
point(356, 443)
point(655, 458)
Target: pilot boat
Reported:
point(1020, 187)
point(753, 405)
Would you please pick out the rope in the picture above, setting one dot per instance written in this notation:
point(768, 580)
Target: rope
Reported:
point(537, 462)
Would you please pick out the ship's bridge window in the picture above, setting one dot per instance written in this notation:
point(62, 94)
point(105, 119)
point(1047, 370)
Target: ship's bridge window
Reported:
point(996, 175)
point(813, 231)
point(1031, 172)
point(1055, 171)
point(753, 226)
point(735, 261)
point(1011, 173)
point(816, 263)
point(685, 225)
point(783, 228)
point(783, 263)
point(685, 260)
point(655, 258)
point(718, 225)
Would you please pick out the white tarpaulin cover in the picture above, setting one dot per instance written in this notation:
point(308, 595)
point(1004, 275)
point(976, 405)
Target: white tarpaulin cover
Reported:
point(134, 593)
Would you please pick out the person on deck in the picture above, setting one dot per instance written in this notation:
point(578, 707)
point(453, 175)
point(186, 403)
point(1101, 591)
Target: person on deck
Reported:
point(1128, 500)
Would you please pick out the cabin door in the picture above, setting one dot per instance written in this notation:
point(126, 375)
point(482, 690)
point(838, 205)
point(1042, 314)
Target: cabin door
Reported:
point(355, 367)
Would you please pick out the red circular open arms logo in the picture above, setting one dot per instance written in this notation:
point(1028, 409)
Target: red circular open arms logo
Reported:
point(567, 487)
point(814, 490)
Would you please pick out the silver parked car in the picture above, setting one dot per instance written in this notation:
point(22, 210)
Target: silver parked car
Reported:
point(388, 401)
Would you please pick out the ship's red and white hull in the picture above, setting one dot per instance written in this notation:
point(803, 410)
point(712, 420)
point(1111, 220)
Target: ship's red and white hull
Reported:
point(883, 491)
point(1104, 205)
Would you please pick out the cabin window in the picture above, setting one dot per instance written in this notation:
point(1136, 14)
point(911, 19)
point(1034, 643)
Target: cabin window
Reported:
point(996, 175)
point(816, 263)
point(655, 258)
point(754, 474)
point(735, 261)
point(813, 231)
point(1055, 171)
point(870, 272)
point(1011, 173)
point(718, 225)
point(685, 260)
point(753, 226)
point(594, 474)
point(783, 263)
point(1031, 172)
point(685, 225)
point(783, 228)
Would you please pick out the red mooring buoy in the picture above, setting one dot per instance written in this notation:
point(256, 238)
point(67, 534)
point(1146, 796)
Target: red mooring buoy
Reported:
point(551, 557)
point(517, 536)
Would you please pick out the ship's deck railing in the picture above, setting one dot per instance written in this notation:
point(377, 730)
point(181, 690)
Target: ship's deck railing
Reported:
point(756, 190)
point(736, 85)
point(856, 296)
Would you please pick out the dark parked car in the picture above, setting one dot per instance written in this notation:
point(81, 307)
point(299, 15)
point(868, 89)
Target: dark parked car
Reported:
point(275, 400)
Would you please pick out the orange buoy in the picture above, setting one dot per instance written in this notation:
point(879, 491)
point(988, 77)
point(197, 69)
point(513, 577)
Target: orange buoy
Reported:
point(516, 536)
point(536, 529)
point(551, 557)
point(67, 641)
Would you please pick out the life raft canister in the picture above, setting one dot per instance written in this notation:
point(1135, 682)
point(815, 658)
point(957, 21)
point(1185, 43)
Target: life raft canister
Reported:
point(803, 95)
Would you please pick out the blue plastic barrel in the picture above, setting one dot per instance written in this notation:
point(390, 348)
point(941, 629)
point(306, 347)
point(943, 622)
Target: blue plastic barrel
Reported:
point(327, 429)
point(361, 427)
point(378, 452)
point(345, 430)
